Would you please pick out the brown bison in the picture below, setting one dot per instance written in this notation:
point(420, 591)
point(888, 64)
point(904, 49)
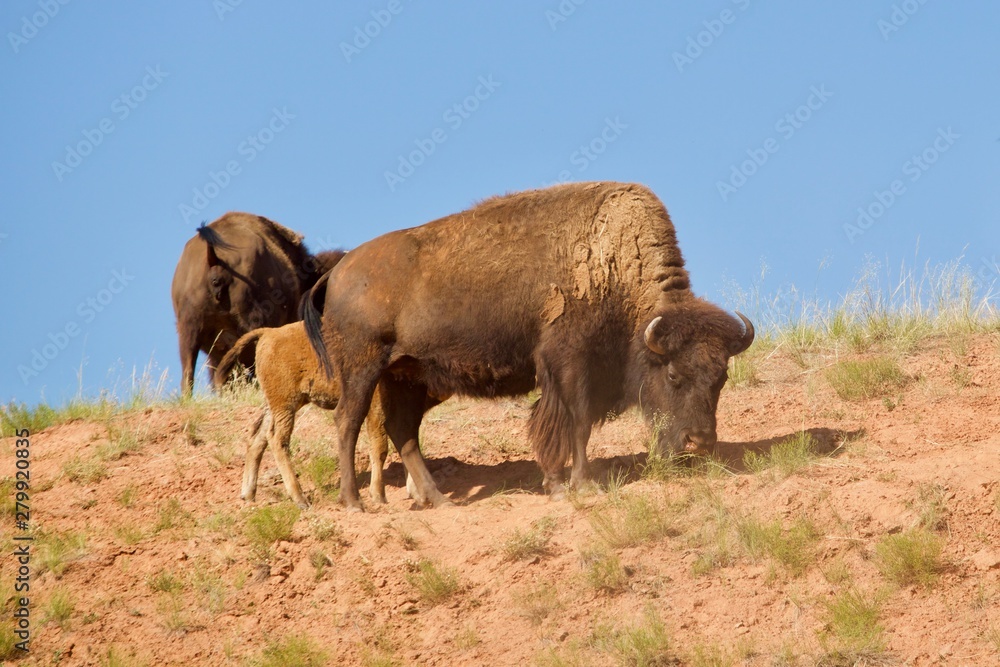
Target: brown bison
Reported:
point(238, 273)
point(290, 378)
point(579, 290)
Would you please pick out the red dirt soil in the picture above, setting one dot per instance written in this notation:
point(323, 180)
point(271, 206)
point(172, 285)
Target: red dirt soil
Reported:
point(932, 445)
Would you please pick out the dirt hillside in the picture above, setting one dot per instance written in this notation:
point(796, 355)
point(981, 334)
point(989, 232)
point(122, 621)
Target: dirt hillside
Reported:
point(144, 553)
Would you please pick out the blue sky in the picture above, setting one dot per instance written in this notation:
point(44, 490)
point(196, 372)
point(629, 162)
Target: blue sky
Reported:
point(763, 126)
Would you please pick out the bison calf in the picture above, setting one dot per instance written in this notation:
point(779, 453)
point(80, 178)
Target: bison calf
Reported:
point(290, 378)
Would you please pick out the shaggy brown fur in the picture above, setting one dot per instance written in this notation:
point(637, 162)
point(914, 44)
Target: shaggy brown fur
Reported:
point(552, 288)
point(239, 273)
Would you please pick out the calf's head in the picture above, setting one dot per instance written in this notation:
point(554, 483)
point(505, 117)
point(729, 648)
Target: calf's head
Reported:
point(687, 353)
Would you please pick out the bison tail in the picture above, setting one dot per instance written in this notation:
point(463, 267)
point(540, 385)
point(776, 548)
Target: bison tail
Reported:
point(212, 238)
point(225, 367)
point(314, 324)
point(551, 428)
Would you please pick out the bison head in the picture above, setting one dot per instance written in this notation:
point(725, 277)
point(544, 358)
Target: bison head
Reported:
point(688, 347)
point(219, 278)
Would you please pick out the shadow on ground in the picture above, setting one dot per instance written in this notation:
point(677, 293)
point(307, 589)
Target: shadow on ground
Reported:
point(468, 483)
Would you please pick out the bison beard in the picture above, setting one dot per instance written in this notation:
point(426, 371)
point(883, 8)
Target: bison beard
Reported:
point(558, 288)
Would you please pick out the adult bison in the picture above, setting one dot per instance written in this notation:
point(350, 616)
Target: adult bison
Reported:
point(579, 290)
point(239, 273)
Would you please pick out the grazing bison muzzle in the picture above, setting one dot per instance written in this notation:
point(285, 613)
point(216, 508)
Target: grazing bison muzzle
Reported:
point(579, 290)
point(691, 366)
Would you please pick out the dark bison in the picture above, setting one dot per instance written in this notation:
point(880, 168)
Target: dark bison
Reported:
point(579, 290)
point(239, 273)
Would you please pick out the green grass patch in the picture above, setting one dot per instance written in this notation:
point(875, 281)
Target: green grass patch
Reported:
point(911, 557)
point(788, 456)
point(85, 470)
point(57, 550)
point(324, 471)
point(856, 380)
point(165, 581)
point(525, 545)
point(630, 520)
point(603, 570)
point(268, 525)
point(435, 583)
point(59, 608)
point(854, 634)
point(17, 416)
point(172, 515)
point(641, 644)
point(794, 548)
point(538, 603)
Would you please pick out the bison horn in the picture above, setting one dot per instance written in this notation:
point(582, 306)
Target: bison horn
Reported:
point(650, 337)
point(748, 335)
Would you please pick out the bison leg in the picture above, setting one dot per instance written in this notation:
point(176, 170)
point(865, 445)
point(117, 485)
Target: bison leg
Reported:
point(379, 450)
point(559, 425)
point(255, 452)
point(349, 414)
point(403, 404)
point(282, 425)
point(188, 342)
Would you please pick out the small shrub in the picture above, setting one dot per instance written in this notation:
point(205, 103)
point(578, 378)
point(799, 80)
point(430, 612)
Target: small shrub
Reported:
point(8, 507)
point(743, 371)
point(603, 570)
point(467, 638)
point(268, 525)
point(630, 521)
point(126, 497)
point(871, 378)
point(115, 657)
point(791, 548)
point(172, 515)
point(85, 471)
point(854, 622)
point(129, 534)
point(644, 644)
point(59, 608)
point(17, 416)
point(911, 557)
point(120, 443)
point(57, 550)
point(711, 656)
point(165, 582)
point(788, 456)
point(536, 604)
point(434, 583)
point(529, 544)
point(324, 470)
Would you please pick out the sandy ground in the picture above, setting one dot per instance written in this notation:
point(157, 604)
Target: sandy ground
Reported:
point(344, 580)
